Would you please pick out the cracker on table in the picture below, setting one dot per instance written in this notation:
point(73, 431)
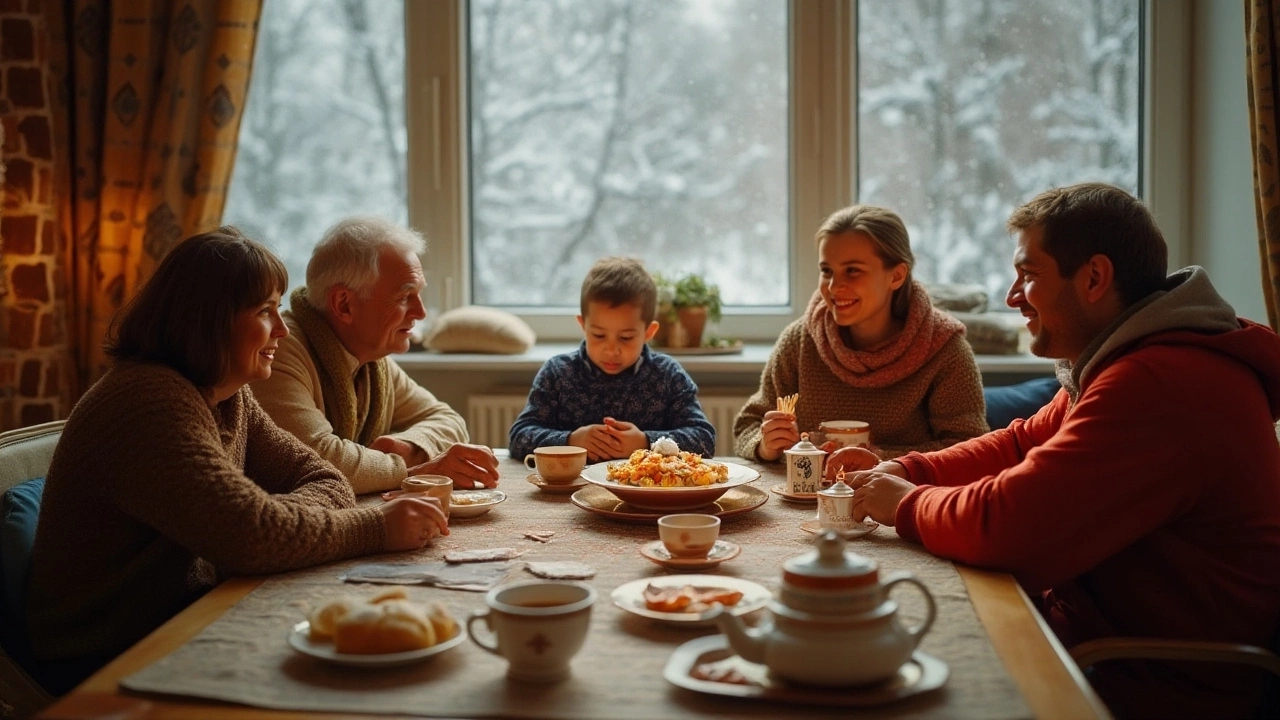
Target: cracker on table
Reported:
point(561, 570)
point(542, 536)
point(485, 555)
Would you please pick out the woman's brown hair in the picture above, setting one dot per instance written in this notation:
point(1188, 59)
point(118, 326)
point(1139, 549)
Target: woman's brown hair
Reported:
point(182, 316)
point(888, 234)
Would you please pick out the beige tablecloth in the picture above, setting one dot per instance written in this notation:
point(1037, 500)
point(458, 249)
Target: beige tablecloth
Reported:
point(243, 656)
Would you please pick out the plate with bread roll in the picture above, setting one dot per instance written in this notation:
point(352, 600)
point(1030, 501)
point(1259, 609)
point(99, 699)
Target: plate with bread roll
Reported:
point(383, 631)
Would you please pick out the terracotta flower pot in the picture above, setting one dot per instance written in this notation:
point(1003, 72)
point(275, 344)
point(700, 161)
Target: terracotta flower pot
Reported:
point(666, 321)
point(693, 320)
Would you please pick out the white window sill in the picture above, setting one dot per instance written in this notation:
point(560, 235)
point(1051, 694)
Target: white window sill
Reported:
point(750, 361)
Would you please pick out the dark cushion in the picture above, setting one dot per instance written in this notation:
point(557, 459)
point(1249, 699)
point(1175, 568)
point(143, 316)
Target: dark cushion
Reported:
point(19, 510)
point(1007, 403)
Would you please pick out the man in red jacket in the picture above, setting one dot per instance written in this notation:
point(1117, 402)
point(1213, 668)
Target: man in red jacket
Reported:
point(1144, 499)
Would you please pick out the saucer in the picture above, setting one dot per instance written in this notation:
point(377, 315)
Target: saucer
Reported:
point(922, 673)
point(473, 503)
point(597, 500)
point(558, 488)
point(721, 551)
point(868, 526)
point(781, 491)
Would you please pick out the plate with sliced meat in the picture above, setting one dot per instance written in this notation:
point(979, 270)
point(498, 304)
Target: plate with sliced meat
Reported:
point(687, 599)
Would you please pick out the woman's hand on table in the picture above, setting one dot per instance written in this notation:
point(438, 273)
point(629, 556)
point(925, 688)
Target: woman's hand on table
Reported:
point(469, 466)
point(778, 432)
point(848, 459)
point(413, 521)
point(877, 493)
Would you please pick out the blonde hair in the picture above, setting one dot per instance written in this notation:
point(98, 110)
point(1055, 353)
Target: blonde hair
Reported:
point(349, 251)
point(887, 233)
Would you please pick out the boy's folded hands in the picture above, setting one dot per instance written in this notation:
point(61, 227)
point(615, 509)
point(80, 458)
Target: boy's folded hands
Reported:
point(610, 440)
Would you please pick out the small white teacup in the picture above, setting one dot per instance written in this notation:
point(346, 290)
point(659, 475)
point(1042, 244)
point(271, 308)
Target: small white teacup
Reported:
point(688, 535)
point(439, 487)
point(557, 463)
point(538, 626)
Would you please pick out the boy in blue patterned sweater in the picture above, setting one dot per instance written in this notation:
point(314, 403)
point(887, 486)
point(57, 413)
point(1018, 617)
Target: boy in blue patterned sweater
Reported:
point(614, 395)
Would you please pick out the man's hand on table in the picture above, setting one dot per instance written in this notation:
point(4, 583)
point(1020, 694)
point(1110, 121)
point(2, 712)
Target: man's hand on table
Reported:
point(878, 492)
point(412, 454)
point(413, 521)
point(849, 459)
point(469, 466)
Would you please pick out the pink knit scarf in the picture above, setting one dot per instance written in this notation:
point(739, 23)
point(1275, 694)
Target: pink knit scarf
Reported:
point(926, 331)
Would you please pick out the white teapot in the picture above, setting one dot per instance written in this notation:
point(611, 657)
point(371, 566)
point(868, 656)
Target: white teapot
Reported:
point(832, 622)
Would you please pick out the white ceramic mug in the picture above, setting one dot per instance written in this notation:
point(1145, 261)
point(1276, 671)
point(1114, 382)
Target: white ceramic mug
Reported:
point(847, 433)
point(557, 463)
point(689, 535)
point(439, 487)
point(538, 626)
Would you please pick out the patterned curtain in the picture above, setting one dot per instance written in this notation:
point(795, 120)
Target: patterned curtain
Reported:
point(1262, 36)
point(154, 92)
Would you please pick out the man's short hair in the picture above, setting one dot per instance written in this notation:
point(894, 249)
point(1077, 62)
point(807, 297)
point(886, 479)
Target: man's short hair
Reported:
point(1089, 219)
point(349, 251)
point(621, 281)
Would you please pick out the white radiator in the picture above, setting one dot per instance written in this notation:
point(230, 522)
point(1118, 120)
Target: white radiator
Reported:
point(490, 415)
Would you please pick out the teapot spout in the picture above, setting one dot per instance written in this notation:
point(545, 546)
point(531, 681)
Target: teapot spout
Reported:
point(748, 643)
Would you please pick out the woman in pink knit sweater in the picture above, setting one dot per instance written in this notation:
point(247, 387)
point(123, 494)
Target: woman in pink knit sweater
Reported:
point(870, 347)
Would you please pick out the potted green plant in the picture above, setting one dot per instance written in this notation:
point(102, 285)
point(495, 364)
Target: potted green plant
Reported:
point(695, 301)
point(666, 316)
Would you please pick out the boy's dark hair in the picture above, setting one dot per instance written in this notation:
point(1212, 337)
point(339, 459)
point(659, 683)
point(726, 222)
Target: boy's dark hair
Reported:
point(1089, 219)
point(621, 281)
point(182, 317)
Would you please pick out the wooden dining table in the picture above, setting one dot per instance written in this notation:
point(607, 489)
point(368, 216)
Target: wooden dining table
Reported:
point(1044, 681)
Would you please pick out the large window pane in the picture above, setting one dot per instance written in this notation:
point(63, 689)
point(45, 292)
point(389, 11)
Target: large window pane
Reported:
point(653, 128)
point(323, 134)
point(967, 108)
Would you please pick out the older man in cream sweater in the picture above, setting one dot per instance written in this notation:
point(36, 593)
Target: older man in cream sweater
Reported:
point(334, 385)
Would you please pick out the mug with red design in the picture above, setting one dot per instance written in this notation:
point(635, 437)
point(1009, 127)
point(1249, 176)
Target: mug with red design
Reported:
point(538, 626)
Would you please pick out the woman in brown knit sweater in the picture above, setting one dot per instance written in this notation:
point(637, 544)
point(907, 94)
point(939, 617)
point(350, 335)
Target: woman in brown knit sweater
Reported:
point(169, 477)
point(870, 347)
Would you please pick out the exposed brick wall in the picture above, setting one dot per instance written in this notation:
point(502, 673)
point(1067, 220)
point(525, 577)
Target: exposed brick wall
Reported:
point(34, 344)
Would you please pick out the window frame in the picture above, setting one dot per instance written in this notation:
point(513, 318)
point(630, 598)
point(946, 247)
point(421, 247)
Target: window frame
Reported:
point(822, 146)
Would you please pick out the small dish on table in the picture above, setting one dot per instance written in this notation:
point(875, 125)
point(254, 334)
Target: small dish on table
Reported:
point(300, 639)
point(781, 491)
point(720, 552)
point(474, 503)
point(866, 527)
point(556, 488)
point(708, 665)
point(630, 597)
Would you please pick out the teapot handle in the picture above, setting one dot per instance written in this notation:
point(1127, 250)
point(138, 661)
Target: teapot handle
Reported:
point(919, 632)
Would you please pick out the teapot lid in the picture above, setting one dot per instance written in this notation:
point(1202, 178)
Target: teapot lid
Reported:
point(839, 489)
point(804, 445)
point(830, 567)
